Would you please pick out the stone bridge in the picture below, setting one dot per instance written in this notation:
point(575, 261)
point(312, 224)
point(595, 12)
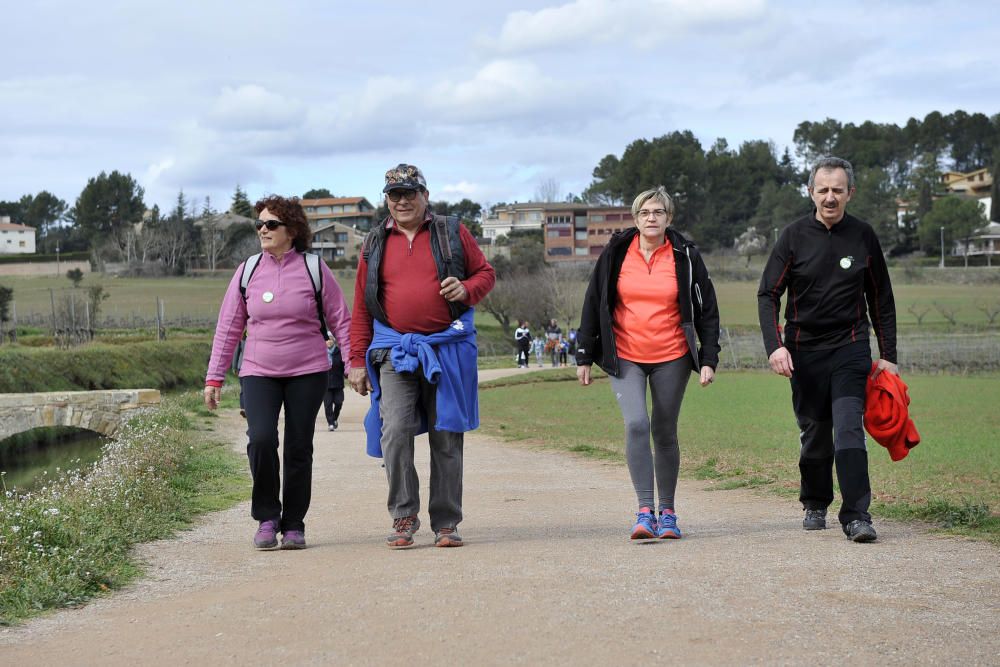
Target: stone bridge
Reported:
point(99, 411)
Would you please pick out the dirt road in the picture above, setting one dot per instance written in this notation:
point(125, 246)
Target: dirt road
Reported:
point(547, 577)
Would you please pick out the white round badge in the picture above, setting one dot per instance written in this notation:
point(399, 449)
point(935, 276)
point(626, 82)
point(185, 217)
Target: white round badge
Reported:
point(269, 297)
point(845, 263)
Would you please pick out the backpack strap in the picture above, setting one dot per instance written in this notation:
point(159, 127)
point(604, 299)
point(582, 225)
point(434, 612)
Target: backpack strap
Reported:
point(440, 225)
point(249, 267)
point(316, 276)
point(312, 261)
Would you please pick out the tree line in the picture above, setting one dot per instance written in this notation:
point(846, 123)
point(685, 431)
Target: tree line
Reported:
point(111, 220)
point(722, 192)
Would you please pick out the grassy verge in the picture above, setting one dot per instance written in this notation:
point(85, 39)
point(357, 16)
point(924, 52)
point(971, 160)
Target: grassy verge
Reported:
point(740, 433)
point(71, 538)
point(160, 365)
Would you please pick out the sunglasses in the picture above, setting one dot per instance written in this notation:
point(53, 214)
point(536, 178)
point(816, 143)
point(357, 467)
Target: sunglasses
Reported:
point(396, 195)
point(270, 224)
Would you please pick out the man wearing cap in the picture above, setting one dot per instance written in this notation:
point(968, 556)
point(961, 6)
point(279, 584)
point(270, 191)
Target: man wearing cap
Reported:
point(833, 268)
point(413, 347)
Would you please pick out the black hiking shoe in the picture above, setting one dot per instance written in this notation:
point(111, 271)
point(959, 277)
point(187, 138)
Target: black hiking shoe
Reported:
point(860, 531)
point(815, 520)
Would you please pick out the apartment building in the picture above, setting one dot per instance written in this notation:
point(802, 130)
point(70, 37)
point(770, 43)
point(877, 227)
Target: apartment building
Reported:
point(335, 241)
point(974, 183)
point(356, 212)
point(572, 231)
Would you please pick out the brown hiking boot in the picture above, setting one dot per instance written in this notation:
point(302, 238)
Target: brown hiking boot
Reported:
point(403, 528)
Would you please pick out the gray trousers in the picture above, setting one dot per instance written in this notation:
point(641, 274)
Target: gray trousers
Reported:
point(402, 395)
point(667, 382)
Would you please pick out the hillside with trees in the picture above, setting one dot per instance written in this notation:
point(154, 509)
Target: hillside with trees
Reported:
point(723, 191)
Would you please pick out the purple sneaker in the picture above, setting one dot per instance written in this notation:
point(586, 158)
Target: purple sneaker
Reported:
point(293, 539)
point(266, 536)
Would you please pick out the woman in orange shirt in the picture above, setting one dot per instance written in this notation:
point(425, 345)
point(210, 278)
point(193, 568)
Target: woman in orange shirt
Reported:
point(649, 297)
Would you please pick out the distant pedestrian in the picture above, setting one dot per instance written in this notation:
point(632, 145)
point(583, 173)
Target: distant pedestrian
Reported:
point(284, 366)
point(649, 295)
point(553, 337)
point(333, 400)
point(522, 339)
point(538, 347)
point(833, 268)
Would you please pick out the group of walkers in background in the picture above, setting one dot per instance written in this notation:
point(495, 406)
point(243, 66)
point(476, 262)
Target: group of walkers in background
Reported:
point(561, 349)
point(650, 319)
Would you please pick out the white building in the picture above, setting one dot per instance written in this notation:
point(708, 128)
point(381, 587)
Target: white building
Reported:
point(16, 239)
point(985, 241)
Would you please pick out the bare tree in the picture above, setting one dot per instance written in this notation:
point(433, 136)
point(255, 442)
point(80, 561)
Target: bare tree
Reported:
point(567, 286)
point(508, 300)
point(991, 310)
point(750, 243)
point(144, 241)
point(918, 312)
point(948, 312)
point(212, 236)
point(547, 191)
point(532, 297)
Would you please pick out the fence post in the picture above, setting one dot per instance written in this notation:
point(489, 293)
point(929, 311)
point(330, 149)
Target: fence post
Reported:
point(13, 314)
point(161, 334)
point(732, 351)
point(52, 297)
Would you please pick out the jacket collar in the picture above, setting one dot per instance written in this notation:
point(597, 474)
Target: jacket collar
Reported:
point(625, 237)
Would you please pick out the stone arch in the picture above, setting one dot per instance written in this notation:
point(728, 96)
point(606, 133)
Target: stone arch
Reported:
point(98, 411)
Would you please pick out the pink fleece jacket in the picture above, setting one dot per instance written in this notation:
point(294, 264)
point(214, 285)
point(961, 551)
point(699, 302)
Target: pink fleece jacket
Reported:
point(279, 315)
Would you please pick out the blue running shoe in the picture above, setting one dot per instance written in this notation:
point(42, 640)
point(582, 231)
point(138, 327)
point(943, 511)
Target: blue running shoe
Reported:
point(645, 525)
point(667, 528)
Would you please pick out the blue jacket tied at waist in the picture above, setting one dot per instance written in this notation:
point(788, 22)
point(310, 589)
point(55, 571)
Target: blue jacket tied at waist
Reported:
point(448, 360)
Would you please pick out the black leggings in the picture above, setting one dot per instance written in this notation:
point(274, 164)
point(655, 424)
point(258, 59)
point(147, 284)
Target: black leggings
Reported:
point(264, 397)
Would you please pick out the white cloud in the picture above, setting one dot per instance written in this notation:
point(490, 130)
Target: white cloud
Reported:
point(646, 23)
point(252, 107)
point(517, 93)
point(459, 191)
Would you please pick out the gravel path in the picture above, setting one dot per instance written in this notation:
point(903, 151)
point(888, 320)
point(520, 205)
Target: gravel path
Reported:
point(547, 577)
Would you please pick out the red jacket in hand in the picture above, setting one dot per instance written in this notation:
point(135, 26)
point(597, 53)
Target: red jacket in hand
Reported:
point(887, 414)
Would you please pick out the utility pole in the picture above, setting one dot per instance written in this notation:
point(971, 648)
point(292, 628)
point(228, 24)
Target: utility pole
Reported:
point(941, 265)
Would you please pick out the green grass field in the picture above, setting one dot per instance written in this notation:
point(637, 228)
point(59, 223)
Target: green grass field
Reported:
point(199, 298)
point(740, 432)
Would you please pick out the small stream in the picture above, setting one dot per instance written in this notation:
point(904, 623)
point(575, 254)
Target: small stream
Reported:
point(25, 457)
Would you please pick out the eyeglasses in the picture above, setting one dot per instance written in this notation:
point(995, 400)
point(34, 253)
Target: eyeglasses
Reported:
point(655, 213)
point(270, 224)
point(396, 195)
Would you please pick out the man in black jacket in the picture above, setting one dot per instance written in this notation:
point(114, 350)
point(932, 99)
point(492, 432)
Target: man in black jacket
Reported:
point(831, 265)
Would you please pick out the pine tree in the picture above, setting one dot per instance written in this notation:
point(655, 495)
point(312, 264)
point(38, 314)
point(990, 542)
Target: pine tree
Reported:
point(241, 203)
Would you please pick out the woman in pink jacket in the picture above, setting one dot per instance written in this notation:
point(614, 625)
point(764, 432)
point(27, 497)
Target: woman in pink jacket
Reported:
point(284, 365)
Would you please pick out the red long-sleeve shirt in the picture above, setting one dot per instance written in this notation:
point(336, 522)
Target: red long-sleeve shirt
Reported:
point(410, 289)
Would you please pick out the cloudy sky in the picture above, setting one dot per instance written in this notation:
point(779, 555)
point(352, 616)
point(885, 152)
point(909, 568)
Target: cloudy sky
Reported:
point(490, 99)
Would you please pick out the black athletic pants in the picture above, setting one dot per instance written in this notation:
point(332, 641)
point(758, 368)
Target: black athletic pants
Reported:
point(828, 396)
point(301, 397)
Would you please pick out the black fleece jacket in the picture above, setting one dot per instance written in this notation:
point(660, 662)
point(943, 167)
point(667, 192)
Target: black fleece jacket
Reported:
point(695, 298)
point(834, 277)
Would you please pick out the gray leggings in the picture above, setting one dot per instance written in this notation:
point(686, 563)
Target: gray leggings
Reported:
point(667, 382)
